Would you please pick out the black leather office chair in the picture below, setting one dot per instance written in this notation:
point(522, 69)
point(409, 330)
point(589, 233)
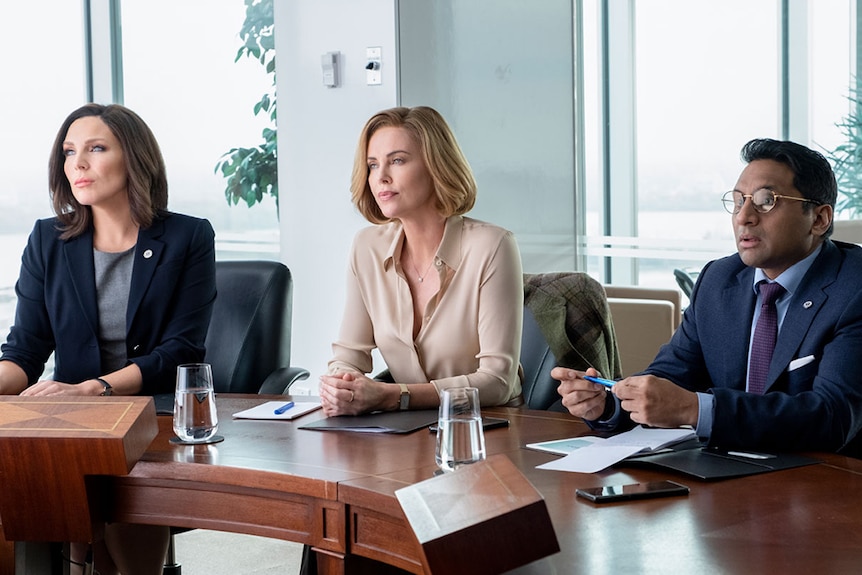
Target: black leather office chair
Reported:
point(537, 361)
point(566, 322)
point(248, 341)
point(685, 281)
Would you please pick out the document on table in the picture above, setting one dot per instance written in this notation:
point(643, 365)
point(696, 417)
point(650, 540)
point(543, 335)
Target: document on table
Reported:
point(601, 453)
point(272, 410)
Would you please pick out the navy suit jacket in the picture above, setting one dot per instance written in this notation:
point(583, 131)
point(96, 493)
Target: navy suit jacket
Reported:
point(170, 302)
point(813, 399)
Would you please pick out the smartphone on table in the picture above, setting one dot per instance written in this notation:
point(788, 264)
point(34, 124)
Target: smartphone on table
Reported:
point(649, 490)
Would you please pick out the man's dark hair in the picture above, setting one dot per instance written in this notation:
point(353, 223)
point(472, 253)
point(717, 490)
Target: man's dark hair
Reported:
point(812, 174)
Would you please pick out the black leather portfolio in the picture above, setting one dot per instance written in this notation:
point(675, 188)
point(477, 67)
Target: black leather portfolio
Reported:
point(710, 464)
point(384, 422)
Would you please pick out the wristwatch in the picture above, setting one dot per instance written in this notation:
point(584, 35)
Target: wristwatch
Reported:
point(404, 402)
point(108, 389)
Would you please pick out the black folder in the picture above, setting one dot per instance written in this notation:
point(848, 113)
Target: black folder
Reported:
point(164, 403)
point(712, 464)
point(382, 422)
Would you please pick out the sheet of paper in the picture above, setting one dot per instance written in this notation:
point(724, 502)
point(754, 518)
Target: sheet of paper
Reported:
point(592, 458)
point(267, 410)
point(565, 446)
point(603, 453)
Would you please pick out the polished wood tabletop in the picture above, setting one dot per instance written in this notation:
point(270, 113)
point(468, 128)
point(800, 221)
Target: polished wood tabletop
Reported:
point(336, 491)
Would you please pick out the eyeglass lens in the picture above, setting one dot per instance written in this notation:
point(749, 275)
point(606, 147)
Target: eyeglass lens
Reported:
point(763, 200)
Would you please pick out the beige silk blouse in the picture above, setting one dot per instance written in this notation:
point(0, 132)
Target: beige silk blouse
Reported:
point(471, 332)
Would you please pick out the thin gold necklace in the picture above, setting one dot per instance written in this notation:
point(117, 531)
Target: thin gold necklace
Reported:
point(418, 275)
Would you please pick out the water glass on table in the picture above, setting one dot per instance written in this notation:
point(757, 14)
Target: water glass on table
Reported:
point(195, 417)
point(460, 439)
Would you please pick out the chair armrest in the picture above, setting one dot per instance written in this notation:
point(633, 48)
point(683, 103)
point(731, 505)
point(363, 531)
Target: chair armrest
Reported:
point(385, 376)
point(279, 381)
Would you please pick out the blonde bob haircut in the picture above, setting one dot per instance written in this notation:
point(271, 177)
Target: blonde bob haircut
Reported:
point(454, 186)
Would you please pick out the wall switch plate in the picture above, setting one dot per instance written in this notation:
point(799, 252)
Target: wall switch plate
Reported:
point(374, 61)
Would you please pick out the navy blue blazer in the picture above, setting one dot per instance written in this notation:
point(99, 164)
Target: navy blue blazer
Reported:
point(170, 302)
point(813, 399)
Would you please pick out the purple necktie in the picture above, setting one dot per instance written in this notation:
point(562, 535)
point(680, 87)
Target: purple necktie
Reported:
point(765, 334)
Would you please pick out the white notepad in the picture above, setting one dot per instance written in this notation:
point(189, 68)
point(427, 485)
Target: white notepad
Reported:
point(267, 410)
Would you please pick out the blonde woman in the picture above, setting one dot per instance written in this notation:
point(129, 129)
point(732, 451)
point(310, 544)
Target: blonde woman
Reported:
point(439, 294)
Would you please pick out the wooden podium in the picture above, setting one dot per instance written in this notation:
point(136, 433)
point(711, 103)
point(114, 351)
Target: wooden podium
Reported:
point(482, 519)
point(52, 451)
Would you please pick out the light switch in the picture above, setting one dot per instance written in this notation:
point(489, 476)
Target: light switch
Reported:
point(373, 63)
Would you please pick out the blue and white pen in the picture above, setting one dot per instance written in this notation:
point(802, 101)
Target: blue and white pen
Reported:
point(284, 408)
point(600, 380)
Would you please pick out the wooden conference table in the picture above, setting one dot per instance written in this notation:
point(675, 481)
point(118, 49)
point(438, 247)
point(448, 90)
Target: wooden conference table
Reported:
point(335, 491)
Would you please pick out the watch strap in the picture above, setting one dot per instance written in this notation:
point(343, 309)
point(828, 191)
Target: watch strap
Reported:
point(108, 390)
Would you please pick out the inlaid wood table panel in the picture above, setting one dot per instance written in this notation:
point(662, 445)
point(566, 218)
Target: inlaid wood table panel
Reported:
point(49, 448)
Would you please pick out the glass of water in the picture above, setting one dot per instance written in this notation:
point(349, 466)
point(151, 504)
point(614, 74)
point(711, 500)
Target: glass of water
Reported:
point(460, 439)
point(195, 417)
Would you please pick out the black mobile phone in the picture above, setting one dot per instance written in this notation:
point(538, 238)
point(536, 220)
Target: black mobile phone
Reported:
point(632, 491)
point(487, 423)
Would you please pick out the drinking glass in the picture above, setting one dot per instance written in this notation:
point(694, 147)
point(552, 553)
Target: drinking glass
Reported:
point(460, 439)
point(195, 417)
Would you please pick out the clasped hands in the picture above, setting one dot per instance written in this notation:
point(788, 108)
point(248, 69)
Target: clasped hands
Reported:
point(648, 399)
point(351, 393)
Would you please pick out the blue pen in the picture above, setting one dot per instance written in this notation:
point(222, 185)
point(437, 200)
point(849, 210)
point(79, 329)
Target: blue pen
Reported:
point(600, 380)
point(284, 408)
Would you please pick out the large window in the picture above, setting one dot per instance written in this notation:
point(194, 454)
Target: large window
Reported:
point(673, 89)
point(179, 74)
point(43, 70)
point(700, 96)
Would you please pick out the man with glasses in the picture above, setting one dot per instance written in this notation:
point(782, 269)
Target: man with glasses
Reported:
point(766, 357)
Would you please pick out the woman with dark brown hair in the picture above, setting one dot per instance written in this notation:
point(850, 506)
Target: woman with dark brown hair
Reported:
point(117, 287)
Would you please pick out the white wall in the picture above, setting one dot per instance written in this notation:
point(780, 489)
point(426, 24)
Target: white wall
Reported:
point(318, 128)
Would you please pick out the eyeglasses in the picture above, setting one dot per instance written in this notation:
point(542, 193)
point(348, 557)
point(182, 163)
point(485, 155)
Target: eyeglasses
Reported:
point(763, 200)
